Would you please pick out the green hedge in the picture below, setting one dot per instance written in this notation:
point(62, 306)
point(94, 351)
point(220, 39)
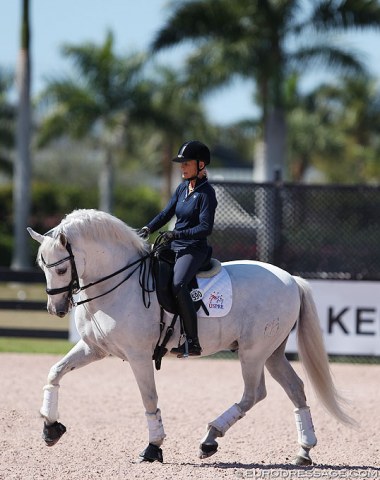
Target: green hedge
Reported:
point(50, 203)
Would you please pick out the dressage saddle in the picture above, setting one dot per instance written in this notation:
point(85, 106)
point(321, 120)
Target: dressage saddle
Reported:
point(163, 265)
point(163, 270)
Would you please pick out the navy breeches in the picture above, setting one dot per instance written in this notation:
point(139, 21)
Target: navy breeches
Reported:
point(187, 263)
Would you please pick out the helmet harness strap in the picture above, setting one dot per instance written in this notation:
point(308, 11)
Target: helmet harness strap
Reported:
point(198, 171)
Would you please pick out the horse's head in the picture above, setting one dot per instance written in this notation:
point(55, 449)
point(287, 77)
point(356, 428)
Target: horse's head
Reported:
point(62, 270)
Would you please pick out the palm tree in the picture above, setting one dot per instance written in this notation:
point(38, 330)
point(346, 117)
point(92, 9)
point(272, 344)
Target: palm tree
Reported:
point(360, 115)
point(349, 112)
point(108, 94)
point(266, 41)
point(22, 166)
point(312, 132)
point(178, 115)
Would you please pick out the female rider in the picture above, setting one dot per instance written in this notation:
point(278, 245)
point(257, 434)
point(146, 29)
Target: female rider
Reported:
point(193, 203)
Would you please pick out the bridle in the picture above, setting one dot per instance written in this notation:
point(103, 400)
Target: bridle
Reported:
point(74, 287)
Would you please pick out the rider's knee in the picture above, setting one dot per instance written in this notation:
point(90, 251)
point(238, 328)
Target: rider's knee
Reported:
point(177, 287)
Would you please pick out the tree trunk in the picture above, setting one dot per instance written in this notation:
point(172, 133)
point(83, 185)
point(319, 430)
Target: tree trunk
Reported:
point(167, 170)
point(275, 142)
point(106, 184)
point(22, 167)
point(272, 170)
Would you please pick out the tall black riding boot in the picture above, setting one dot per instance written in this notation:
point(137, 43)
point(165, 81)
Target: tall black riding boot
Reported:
point(190, 322)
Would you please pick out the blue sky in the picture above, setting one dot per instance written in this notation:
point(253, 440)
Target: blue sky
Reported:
point(134, 24)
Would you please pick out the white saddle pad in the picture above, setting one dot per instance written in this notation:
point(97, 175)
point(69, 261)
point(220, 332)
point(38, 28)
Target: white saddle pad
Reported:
point(216, 293)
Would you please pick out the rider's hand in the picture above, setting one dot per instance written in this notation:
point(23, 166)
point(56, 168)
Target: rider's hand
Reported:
point(144, 233)
point(169, 236)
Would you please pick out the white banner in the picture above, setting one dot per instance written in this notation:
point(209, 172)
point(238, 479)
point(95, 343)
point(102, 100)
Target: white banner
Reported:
point(349, 312)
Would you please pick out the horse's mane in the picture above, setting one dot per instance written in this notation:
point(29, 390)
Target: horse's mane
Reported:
point(97, 225)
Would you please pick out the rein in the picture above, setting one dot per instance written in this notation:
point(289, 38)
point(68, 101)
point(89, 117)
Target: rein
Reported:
point(74, 288)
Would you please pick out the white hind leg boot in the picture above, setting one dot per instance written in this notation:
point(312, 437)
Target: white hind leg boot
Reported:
point(227, 419)
point(305, 427)
point(49, 408)
point(156, 428)
point(218, 428)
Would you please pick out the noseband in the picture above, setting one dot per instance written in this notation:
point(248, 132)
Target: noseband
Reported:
point(73, 287)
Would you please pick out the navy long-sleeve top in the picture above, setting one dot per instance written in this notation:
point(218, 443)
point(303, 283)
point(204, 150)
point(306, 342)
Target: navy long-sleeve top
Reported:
point(195, 214)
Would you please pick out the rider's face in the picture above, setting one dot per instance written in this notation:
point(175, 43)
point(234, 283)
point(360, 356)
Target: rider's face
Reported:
point(189, 169)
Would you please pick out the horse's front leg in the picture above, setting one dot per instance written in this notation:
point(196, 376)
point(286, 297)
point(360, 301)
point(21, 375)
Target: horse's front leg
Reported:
point(79, 356)
point(144, 374)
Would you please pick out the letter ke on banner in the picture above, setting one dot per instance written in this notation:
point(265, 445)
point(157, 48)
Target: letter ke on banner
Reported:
point(349, 312)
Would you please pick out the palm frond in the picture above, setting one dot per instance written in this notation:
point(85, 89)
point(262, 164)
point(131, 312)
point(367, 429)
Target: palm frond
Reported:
point(339, 59)
point(328, 15)
point(200, 20)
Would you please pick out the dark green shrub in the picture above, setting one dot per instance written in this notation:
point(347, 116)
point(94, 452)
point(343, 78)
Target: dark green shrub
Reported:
point(50, 203)
point(136, 206)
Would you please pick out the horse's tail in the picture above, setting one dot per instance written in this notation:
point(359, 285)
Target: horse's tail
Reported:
point(313, 355)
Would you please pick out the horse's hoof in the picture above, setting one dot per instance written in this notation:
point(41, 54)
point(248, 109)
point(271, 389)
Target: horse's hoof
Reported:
point(208, 449)
point(302, 461)
point(303, 458)
point(52, 433)
point(152, 453)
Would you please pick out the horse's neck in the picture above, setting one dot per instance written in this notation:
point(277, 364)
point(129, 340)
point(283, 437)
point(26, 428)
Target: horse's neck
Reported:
point(102, 260)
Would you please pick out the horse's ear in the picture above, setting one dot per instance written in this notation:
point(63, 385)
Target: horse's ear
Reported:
point(36, 236)
point(63, 239)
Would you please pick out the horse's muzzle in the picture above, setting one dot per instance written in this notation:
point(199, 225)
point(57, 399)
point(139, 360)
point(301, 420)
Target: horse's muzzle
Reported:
point(60, 308)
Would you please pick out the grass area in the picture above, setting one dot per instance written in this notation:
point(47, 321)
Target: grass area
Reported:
point(22, 291)
point(33, 320)
point(224, 355)
point(33, 345)
point(61, 347)
point(25, 319)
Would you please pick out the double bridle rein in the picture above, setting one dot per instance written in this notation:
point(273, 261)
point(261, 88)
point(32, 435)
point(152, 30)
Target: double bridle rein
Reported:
point(74, 287)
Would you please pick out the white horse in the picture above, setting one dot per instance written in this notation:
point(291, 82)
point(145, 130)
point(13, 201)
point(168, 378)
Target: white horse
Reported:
point(85, 254)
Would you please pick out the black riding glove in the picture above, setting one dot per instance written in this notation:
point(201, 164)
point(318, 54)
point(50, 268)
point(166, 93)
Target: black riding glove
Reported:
point(169, 236)
point(144, 233)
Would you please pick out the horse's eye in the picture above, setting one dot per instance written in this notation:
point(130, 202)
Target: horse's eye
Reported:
point(61, 271)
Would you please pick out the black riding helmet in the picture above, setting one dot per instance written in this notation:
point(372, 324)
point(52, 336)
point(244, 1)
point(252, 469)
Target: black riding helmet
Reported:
point(193, 150)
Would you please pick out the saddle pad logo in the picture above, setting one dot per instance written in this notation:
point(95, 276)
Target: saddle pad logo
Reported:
point(216, 301)
point(217, 294)
point(196, 294)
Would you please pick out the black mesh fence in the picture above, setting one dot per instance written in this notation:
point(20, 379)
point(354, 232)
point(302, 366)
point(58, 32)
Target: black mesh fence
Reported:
point(313, 231)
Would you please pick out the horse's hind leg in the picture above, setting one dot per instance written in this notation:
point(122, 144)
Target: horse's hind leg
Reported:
point(79, 356)
point(281, 370)
point(254, 391)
